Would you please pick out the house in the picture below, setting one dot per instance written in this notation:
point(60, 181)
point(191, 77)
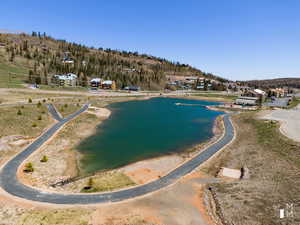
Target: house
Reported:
point(108, 84)
point(246, 100)
point(260, 94)
point(95, 82)
point(278, 92)
point(69, 79)
point(68, 61)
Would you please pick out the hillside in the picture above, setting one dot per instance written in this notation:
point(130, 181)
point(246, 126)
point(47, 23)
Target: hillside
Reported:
point(35, 58)
point(274, 83)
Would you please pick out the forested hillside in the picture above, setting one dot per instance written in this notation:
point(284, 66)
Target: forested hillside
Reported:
point(275, 83)
point(37, 57)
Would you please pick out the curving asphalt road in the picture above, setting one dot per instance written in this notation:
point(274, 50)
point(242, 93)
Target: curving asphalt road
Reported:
point(10, 183)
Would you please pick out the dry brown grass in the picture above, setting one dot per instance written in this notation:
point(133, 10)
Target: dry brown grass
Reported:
point(273, 161)
point(13, 124)
point(58, 217)
point(66, 109)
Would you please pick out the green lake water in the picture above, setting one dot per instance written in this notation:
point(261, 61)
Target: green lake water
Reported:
point(147, 128)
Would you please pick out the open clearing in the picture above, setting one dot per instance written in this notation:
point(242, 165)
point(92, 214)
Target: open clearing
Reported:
point(274, 164)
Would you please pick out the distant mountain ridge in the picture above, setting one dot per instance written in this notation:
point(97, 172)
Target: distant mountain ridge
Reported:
point(274, 83)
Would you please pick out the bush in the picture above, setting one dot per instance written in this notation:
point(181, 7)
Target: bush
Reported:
point(19, 113)
point(28, 168)
point(39, 104)
point(66, 105)
point(39, 117)
point(44, 100)
point(34, 125)
point(89, 185)
point(44, 159)
point(22, 107)
point(78, 104)
point(29, 100)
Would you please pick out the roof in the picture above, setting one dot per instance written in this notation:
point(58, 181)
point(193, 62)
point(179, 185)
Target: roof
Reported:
point(98, 80)
point(69, 76)
point(107, 82)
point(261, 92)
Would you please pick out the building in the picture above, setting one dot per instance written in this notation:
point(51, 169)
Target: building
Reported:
point(257, 93)
point(95, 82)
point(132, 88)
point(278, 92)
point(107, 84)
point(246, 100)
point(69, 79)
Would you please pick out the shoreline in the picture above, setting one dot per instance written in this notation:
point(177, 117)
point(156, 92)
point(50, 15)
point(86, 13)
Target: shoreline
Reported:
point(140, 172)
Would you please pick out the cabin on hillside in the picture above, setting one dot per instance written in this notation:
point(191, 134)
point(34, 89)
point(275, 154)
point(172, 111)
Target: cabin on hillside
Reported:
point(95, 82)
point(108, 84)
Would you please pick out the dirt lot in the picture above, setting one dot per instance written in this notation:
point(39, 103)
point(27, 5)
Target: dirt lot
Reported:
point(274, 164)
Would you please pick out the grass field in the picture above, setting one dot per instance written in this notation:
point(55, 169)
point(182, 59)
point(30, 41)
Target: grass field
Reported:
point(27, 123)
point(12, 75)
point(66, 109)
point(109, 181)
point(58, 217)
point(294, 103)
point(215, 95)
point(274, 164)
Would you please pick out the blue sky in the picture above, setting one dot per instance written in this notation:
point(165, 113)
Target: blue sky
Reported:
point(236, 39)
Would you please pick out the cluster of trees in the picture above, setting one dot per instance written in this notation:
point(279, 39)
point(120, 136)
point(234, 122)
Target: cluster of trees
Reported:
point(274, 83)
point(50, 56)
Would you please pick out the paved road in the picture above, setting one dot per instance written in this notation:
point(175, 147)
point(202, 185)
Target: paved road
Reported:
point(278, 102)
point(10, 183)
point(55, 114)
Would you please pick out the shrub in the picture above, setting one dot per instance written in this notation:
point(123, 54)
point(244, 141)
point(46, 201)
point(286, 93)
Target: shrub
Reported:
point(91, 182)
point(89, 185)
point(29, 100)
point(44, 159)
point(34, 125)
point(19, 112)
point(39, 104)
point(28, 168)
point(39, 117)
point(66, 105)
point(78, 104)
point(44, 100)
point(22, 107)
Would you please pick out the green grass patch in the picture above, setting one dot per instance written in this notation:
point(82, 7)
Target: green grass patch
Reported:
point(107, 182)
point(12, 76)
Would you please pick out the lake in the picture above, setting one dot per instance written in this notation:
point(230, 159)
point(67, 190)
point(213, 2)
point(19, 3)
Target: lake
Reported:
point(144, 129)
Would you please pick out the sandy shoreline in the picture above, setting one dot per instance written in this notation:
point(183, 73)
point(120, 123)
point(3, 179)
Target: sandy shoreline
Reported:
point(69, 158)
